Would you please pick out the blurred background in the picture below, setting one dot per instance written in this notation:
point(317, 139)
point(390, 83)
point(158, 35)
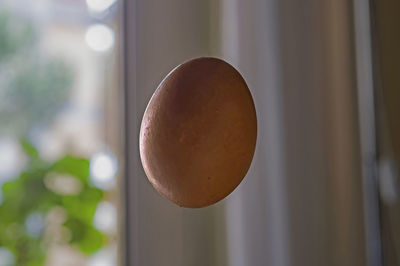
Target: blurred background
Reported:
point(323, 188)
point(60, 133)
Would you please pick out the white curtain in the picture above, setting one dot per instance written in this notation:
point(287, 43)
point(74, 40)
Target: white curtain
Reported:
point(301, 203)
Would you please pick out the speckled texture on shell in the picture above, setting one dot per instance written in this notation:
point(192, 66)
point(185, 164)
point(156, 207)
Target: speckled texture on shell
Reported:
point(198, 133)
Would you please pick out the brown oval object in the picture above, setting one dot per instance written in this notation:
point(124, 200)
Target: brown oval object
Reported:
point(198, 133)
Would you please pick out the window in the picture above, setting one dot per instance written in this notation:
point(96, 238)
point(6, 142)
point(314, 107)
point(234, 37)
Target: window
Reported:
point(60, 133)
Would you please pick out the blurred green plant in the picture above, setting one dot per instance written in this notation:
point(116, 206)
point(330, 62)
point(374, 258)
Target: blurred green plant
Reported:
point(29, 200)
point(33, 86)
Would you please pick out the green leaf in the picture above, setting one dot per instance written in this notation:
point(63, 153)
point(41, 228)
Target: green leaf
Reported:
point(87, 238)
point(78, 167)
point(93, 241)
point(29, 149)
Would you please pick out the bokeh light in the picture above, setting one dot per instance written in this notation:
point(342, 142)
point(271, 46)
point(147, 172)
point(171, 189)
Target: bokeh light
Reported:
point(34, 224)
point(105, 218)
point(6, 257)
point(99, 37)
point(99, 6)
point(11, 158)
point(103, 168)
point(104, 257)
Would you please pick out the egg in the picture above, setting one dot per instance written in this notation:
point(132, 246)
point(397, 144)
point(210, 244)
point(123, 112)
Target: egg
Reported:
point(198, 133)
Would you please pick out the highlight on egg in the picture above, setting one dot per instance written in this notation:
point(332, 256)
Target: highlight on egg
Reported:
point(198, 133)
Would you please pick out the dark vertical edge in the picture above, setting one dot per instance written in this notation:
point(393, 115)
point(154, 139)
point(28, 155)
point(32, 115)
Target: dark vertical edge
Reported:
point(384, 147)
point(363, 50)
point(130, 206)
point(124, 230)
